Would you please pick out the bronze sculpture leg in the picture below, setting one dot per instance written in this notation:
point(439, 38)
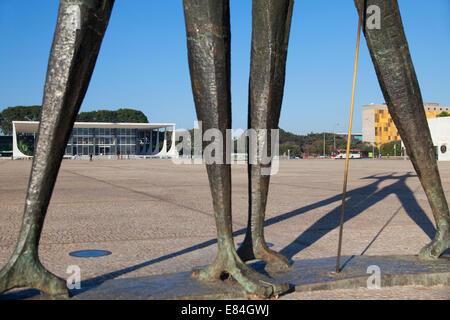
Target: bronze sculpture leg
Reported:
point(270, 37)
point(78, 36)
point(396, 75)
point(208, 41)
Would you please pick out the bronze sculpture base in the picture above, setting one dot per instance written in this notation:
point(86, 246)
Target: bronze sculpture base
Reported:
point(305, 275)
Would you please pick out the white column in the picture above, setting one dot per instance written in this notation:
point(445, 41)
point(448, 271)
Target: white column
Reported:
point(163, 151)
point(164, 148)
point(16, 152)
point(173, 151)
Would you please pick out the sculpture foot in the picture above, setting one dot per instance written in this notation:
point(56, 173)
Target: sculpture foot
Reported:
point(230, 264)
point(27, 272)
point(433, 250)
point(275, 261)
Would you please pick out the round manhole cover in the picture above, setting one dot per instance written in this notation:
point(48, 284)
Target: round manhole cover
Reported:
point(90, 253)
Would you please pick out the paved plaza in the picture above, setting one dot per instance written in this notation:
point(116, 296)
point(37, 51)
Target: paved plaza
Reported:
point(157, 217)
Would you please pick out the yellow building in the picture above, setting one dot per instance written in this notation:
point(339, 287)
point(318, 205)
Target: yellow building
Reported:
point(378, 127)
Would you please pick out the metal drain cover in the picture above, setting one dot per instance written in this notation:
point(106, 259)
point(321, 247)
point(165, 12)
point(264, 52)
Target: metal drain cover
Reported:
point(90, 253)
point(267, 243)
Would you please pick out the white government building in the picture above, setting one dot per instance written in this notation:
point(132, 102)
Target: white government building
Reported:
point(108, 140)
point(440, 133)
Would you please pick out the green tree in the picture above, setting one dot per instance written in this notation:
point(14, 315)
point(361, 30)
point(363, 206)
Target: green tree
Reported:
point(391, 148)
point(19, 113)
point(294, 151)
point(25, 144)
point(33, 113)
point(443, 114)
point(312, 143)
point(121, 115)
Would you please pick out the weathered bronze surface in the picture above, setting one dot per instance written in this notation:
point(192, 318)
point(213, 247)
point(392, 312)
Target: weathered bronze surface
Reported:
point(393, 65)
point(270, 37)
point(79, 33)
point(208, 34)
point(304, 275)
point(78, 36)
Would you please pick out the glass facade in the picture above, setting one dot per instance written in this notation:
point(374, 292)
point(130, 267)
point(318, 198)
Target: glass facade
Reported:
point(104, 141)
point(147, 141)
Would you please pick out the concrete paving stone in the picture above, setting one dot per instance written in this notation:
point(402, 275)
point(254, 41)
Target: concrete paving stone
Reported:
point(438, 292)
point(157, 217)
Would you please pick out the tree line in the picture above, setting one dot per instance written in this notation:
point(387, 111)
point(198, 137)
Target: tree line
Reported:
point(299, 145)
point(33, 113)
point(313, 144)
point(310, 144)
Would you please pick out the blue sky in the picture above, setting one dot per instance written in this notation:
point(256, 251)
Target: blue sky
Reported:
point(143, 60)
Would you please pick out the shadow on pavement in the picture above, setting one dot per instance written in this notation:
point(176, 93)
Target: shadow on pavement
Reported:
point(357, 201)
